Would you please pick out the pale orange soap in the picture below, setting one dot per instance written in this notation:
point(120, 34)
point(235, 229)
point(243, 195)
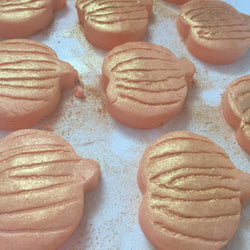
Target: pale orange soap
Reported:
point(177, 1)
point(20, 18)
point(107, 24)
point(192, 193)
point(42, 190)
point(146, 85)
point(214, 31)
point(31, 79)
point(236, 110)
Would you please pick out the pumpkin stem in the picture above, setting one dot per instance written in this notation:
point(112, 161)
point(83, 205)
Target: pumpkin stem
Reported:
point(244, 179)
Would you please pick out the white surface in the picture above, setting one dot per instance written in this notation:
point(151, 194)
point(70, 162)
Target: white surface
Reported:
point(110, 219)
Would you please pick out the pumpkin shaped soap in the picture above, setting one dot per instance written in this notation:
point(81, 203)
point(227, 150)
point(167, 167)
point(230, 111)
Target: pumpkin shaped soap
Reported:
point(21, 18)
point(146, 84)
point(42, 190)
point(192, 193)
point(107, 24)
point(236, 110)
point(214, 31)
point(31, 80)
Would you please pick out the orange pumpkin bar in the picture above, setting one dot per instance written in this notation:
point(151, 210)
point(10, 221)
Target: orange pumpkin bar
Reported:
point(236, 110)
point(146, 85)
point(42, 190)
point(20, 18)
point(107, 24)
point(31, 79)
point(214, 31)
point(192, 193)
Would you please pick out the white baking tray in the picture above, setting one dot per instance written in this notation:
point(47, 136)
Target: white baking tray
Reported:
point(110, 217)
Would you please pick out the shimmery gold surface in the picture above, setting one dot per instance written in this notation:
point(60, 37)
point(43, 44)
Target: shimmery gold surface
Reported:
point(177, 1)
point(109, 23)
point(42, 188)
point(236, 109)
point(192, 193)
point(146, 85)
point(214, 31)
point(31, 79)
point(93, 133)
point(23, 18)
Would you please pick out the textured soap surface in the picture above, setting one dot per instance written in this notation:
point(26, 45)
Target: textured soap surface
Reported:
point(42, 190)
point(236, 109)
point(177, 1)
point(146, 85)
point(214, 31)
point(107, 24)
point(192, 193)
point(31, 80)
point(20, 18)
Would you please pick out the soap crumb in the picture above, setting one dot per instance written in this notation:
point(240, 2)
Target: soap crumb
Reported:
point(79, 92)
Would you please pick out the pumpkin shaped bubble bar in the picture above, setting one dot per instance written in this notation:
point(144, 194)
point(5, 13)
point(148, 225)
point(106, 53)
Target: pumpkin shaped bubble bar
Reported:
point(146, 84)
point(107, 24)
point(31, 80)
point(42, 190)
point(214, 31)
point(20, 18)
point(192, 193)
point(236, 110)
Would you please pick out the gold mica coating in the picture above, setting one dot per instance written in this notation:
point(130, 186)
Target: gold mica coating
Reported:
point(31, 79)
point(107, 24)
point(214, 31)
point(42, 189)
point(236, 109)
point(20, 18)
point(192, 193)
point(146, 85)
point(177, 1)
